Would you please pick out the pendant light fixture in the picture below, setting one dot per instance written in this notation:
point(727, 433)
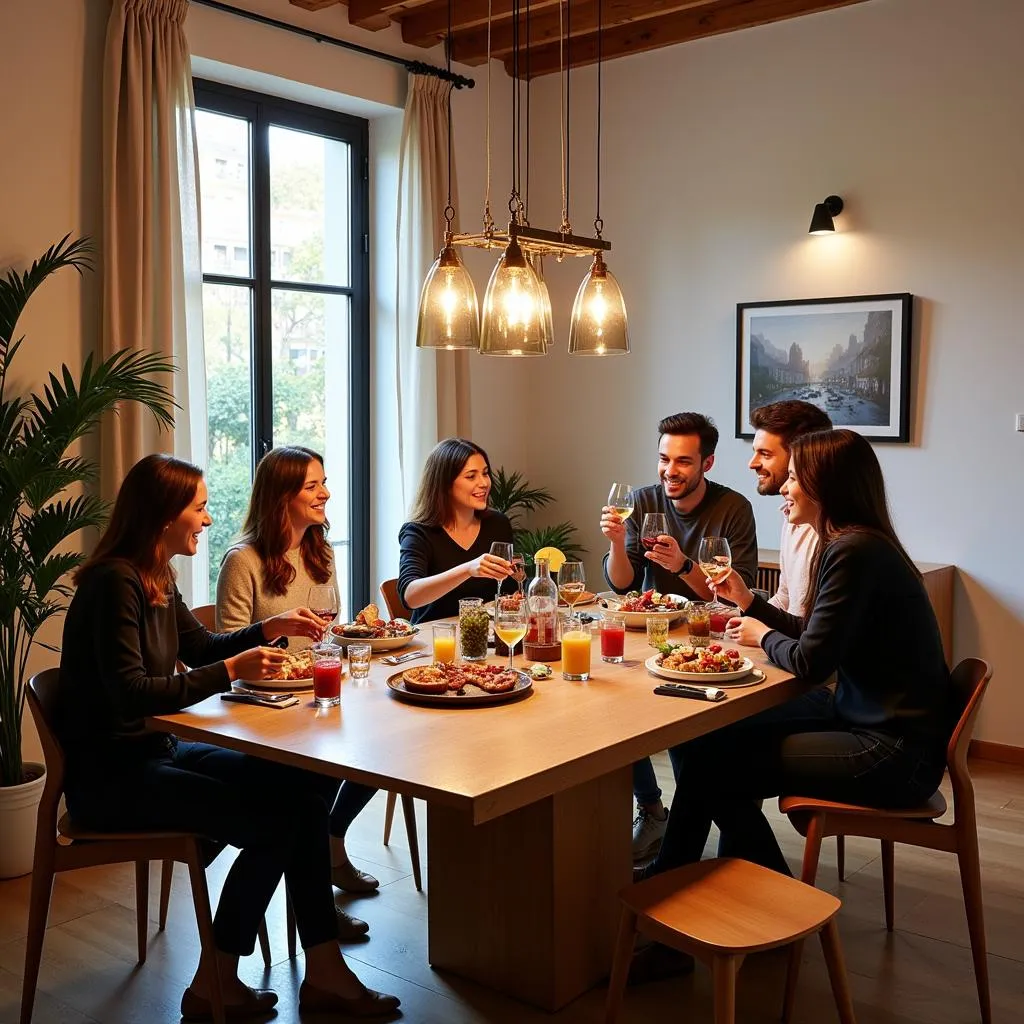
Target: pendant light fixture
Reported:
point(449, 316)
point(598, 326)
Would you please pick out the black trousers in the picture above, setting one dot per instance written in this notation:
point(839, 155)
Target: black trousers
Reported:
point(800, 747)
point(275, 815)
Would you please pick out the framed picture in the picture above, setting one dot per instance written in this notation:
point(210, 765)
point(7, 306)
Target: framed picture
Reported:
point(848, 356)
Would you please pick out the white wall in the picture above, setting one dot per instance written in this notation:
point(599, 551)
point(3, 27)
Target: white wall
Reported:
point(715, 154)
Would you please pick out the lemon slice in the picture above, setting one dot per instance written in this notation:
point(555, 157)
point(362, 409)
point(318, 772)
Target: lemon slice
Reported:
point(553, 555)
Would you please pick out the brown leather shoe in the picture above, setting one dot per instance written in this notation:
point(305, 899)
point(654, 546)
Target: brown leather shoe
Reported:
point(350, 928)
point(348, 877)
point(258, 1002)
point(369, 1004)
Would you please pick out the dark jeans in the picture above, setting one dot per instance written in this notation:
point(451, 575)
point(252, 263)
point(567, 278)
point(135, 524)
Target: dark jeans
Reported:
point(800, 747)
point(275, 815)
point(645, 783)
point(352, 798)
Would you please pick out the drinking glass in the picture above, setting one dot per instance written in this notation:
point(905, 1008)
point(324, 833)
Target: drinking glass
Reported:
point(519, 571)
point(444, 642)
point(655, 524)
point(473, 628)
point(657, 630)
point(575, 650)
point(613, 638)
point(501, 549)
point(718, 618)
point(510, 626)
point(323, 602)
point(359, 660)
point(698, 623)
point(572, 581)
point(715, 558)
point(620, 500)
point(327, 676)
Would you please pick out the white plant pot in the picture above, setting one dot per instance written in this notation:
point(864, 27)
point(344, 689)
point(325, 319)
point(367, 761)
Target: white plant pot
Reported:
point(18, 808)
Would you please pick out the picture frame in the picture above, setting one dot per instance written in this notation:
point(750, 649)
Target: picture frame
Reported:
point(848, 355)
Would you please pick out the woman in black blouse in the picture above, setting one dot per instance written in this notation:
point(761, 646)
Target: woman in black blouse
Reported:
point(879, 739)
point(125, 630)
point(446, 544)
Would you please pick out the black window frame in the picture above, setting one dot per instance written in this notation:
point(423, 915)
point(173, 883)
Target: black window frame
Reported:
point(262, 111)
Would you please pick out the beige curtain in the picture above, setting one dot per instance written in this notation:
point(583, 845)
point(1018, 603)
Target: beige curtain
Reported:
point(433, 387)
point(152, 277)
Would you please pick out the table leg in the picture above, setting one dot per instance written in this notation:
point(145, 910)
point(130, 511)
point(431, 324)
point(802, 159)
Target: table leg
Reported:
point(527, 903)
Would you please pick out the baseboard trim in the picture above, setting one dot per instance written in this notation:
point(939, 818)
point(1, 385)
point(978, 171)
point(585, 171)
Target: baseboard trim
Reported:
point(1002, 752)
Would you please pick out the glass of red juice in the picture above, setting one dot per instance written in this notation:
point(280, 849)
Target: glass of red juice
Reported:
point(613, 638)
point(326, 676)
point(719, 616)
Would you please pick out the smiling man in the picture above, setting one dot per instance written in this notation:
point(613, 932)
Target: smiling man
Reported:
point(775, 427)
point(694, 507)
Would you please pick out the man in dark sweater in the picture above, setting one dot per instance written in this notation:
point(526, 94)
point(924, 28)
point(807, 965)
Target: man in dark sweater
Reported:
point(694, 507)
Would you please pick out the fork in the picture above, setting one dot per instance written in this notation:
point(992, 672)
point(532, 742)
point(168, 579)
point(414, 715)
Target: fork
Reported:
point(411, 656)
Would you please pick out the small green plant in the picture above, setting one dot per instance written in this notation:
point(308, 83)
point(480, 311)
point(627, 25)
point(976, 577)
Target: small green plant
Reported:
point(512, 495)
point(36, 472)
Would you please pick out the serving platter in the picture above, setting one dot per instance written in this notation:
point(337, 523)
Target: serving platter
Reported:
point(472, 696)
point(611, 601)
point(380, 643)
point(276, 685)
point(745, 675)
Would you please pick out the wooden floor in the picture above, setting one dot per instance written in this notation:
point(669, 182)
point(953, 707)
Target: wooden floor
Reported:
point(920, 973)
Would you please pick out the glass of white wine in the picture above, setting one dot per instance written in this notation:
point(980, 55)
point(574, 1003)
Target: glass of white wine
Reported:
point(715, 558)
point(572, 581)
point(620, 500)
point(502, 549)
point(510, 625)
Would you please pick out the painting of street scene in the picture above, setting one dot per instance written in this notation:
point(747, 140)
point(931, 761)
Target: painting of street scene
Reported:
point(848, 357)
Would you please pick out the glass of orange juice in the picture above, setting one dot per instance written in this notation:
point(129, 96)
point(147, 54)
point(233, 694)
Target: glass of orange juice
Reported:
point(444, 642)
point(576, 640)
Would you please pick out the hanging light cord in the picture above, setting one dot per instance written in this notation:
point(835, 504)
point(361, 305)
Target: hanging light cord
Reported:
point(566, 228)
point(526, 193)
point(488, 219)
point(449, 210)
point(598, 223)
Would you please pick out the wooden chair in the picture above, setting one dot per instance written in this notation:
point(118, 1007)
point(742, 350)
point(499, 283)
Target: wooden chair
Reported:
point(916, 826)
point(82, 848)
point(719, 911)
point(397, 610)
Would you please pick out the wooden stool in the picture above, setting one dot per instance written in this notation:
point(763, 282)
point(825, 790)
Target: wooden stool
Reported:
point(719, 911)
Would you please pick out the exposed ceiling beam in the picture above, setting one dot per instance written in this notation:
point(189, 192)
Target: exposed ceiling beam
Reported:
point(714, 18)
point(428, 26)
point(313, 5)
point(549, 26)
point(376, 14)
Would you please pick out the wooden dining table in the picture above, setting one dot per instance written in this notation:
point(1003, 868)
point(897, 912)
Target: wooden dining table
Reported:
point(529, 802)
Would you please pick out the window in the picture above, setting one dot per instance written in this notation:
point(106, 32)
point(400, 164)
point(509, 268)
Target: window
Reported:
point(287, 339)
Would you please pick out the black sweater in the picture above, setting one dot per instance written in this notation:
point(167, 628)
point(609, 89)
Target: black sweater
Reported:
point(118, 665)
point(873, 625)
point(428, 550)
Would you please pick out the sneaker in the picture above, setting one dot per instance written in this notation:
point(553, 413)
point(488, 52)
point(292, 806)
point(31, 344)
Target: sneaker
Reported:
point(648, 832)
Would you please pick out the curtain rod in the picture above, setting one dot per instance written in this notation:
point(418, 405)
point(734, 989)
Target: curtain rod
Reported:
point(417, 67)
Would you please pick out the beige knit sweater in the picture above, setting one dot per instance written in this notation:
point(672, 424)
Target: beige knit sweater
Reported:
point(242, 599)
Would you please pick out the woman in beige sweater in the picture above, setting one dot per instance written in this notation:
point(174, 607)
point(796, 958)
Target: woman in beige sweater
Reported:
point(283, 552)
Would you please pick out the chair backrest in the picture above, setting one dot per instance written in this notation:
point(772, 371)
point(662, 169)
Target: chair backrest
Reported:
point(394, 604)
point(970, 680)
point(207, 615)
point(42, 702)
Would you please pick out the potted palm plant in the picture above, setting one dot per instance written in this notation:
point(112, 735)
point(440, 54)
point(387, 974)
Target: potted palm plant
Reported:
point(42, 505)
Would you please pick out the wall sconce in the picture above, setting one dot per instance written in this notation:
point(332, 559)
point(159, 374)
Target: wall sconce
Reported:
point(821, 222)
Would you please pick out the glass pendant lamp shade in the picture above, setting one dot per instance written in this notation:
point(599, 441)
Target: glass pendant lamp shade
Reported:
point(537, 262)
point(598, 326)
point(513, 318)
point(449, 316)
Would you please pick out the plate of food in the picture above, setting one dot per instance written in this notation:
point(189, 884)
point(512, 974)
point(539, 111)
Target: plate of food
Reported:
point(463, 685)
point(369, 628)
point(714, 664)
point(296, 673)
point(635, 606)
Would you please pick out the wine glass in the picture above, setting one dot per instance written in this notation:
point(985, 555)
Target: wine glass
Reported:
point(501, 549)
point(323, 602)
point(509, 625)
point(655, 524)
point(519, 572)
point(715, 558)
point(571, 583)
point(620, 500)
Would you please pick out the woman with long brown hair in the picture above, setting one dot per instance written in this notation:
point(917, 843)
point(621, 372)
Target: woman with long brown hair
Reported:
point(283, 552)
point(445, 546)
point(125, 631)
point(879, 738)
